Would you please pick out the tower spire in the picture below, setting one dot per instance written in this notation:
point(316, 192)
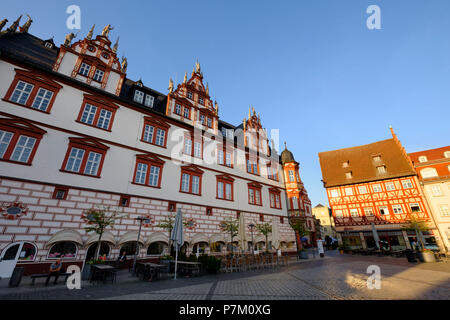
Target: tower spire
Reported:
point(116, 45)
point(15, 24)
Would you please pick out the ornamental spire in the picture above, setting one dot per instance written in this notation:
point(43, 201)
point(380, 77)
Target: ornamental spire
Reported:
point(27, 24)
point(90, 33)
point(116, 45)
point(170, 85)
point(197, 67)
point(3, 23)
point(14, 26)
point(185, 77)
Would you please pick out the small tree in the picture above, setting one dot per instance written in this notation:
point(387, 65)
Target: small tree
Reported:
point(169, 221)
point(300, 231)
point(231, 226)
point(98, 219)
point(417, 225)
point(265, 229)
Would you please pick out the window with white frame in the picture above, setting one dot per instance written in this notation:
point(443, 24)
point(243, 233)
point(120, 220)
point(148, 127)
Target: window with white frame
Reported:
point(334, 193)
point(376, 188)
point(407, 184)
point(428, 173)
point(368, 212)
point(21, 92)
point(178, 109)
point(436, 190)
point(138, 96)
point(42, 100)
point(339, 213)
point(376, 158)
point(291, 176)
point(197, 149)
point(354, 212)
point(415, 207)
point(389, 186)
point(149, 100)
point(84, 69)
point(186, 113)
point(189, 95)
point(98, 75)
point(345, 164)
point(396, 208)
point(349, 191)
point(381, 169)
point(294, 205)
point(348, 175)
point(423, 159)
point(187, 146)
point(362, 189)
point(23, 149)
point(443, 209)
point(201, 100)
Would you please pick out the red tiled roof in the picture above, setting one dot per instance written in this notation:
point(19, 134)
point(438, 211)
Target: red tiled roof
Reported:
point(362, 165)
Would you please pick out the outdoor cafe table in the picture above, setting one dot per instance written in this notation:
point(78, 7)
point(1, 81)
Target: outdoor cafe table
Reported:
point(189, 268)
point(150, 269)
point(101, 271)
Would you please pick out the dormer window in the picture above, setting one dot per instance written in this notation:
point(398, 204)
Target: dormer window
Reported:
point(98, 75)
point(48, 45)
point(381, 169)
point(105, 55)
point(201, 101)
point(348, 175)
point(189, 95)
point(138, 96)
point(91, 49)
point(84, 69)
point(376, 158)
point(149, 100)
point(423, 159)
point(447, 154)
point(345, 164)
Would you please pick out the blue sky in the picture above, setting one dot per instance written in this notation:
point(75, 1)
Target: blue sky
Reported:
point(311, 68)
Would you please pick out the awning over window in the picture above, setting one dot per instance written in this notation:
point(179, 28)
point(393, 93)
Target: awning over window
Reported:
point(106, 237)
point(65, 235)
point(217, 238)
point(199, 237)
point(158, 237)
point(130, 237)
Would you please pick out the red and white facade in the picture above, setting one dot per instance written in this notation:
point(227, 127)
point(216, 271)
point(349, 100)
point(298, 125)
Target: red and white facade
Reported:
point(70, 141)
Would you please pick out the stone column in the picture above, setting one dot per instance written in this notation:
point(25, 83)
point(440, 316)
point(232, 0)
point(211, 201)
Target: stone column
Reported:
point(363, 240)
point(405, 236)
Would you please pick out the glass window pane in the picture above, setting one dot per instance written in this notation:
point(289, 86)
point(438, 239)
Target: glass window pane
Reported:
point(141, 173)
point(92, 163)
point(21, 92)
point(75, 159)
point(154, 176)
point(104, 119)
point(5, 139)
point(160, 135)
point(42, 99)
point(23, 149)
point(88, 114)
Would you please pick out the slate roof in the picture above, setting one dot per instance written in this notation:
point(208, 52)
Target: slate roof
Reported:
point(27, 47)
point(362, 165)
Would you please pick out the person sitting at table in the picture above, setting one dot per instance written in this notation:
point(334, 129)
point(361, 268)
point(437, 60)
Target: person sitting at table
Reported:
point(122, 258)
point(55, 269)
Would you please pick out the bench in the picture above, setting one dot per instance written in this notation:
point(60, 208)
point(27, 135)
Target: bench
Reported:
point(45, 275)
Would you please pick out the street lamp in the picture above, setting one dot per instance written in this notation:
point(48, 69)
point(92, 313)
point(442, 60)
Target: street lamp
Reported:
point(251, 227)
point(142, 220)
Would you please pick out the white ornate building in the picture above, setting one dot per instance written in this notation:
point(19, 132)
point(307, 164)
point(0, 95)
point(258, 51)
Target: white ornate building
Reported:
point(75, 132)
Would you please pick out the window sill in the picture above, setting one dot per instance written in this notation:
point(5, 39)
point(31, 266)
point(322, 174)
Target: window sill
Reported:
point(154, 144)
point(28, 106)
point(80, 174)
point(254, 204)
point(193, 194)
point(276, 208)
point(90, 125)
point(146, 185)
point(17, 162)
point(231, 200)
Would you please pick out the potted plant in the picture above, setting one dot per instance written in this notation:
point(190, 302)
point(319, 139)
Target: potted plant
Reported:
point(426, 255)
point(419, 226)
point(341, 249)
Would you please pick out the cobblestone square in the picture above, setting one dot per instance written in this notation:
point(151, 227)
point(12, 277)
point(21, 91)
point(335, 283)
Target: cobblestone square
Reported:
point(333, 278)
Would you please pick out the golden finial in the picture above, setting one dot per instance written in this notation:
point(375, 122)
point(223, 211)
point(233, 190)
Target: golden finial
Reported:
point(216, 106)
point(14, 25)
point(253, 109)
point(27, 24)
point(90, 33)
point(207, 89)
point(185, 77)
point(197, 67)
point(249, 113)
point(243, 123)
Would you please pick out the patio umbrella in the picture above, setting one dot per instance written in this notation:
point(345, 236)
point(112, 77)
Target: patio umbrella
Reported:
point(177, 236)
point(420, 237)
point(275, 234)
point(241, 232)
point(375, 236)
